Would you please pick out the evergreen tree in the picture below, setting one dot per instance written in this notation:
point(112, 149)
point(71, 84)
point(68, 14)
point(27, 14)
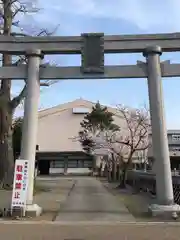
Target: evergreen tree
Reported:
point(86, 142)
point(95, 122)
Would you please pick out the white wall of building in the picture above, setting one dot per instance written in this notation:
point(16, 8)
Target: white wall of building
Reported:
point(57, 126)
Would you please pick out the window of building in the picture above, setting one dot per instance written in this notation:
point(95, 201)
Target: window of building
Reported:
point(175, 138)
point(72, 164)
point(87, 164)
point(57, 164)
point(80, 164)
point(80, 110)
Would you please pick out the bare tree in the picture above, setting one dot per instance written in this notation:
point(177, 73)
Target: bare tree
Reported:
point(115, 150)
point(128, 141)
point(118, 151)
point(134, 137)
point(10, 11)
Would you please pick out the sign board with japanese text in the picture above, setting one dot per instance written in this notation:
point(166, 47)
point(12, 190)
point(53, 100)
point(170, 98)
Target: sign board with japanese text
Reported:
point(20, 184)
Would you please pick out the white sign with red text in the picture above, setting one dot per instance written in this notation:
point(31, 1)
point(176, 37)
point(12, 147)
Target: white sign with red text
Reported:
point(20, 184)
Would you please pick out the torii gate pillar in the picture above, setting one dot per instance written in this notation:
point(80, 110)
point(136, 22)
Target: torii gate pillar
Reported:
point(30, 124)
point(164, 187)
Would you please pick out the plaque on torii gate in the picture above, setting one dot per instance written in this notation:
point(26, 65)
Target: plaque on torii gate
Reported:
point(92, 53)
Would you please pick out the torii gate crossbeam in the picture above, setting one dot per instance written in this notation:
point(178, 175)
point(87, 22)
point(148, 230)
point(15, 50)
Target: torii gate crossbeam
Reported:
point(72, 45)
point(110, 72)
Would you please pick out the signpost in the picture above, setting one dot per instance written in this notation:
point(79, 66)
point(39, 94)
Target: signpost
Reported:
point(20, 185)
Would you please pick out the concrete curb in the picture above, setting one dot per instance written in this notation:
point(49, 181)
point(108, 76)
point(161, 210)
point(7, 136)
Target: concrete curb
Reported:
point(93, 223)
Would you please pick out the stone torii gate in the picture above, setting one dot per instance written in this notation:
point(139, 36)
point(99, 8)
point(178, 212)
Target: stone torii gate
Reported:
point(92, 48)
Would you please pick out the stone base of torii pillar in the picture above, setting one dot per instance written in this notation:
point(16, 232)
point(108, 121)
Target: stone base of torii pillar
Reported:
point(170, 211)
point(33, 210)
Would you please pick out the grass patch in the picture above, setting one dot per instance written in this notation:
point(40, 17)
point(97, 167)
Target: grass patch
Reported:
point(39, 188)
point(136, 205)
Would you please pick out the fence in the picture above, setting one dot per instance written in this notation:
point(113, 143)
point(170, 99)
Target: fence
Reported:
point(146, 181)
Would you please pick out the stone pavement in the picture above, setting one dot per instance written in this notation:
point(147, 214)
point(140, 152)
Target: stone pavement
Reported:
point(123, 231)
point(91, 201)
point(58, 189)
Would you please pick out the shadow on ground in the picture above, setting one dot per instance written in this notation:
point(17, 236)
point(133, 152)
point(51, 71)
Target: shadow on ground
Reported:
point(136, 203)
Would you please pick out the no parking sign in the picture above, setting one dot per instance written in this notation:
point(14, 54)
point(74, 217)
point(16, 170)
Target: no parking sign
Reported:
point(20, 184)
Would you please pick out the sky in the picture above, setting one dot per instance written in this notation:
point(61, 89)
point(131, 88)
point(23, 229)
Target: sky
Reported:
point(113, 17)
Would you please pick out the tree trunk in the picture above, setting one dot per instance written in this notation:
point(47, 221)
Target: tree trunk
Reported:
point(114, 171)
point(118, 172)
point(124, 177)
point(65, 165)
point(9, 173)
point(6, 148)
point(105, 173)
point(109, 175)
point(124, 172)
point(114, 167)
point(6, 111)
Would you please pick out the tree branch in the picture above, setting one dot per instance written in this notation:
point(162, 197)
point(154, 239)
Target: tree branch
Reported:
point(16, 100)
point(127, 119)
